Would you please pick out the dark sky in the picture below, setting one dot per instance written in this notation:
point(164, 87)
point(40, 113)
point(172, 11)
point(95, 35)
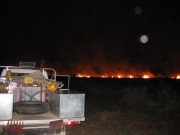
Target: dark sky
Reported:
point(93, 37)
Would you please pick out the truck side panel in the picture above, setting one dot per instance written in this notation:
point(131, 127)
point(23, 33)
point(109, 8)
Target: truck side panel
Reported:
point(67, 105)
point(6, 106)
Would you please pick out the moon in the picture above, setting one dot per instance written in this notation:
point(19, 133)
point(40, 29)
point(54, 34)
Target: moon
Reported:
point(144, 39)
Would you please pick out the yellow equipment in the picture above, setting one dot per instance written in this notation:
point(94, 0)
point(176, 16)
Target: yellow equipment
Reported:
point(8, 75)
point(51, 86)
point(2, 86)
point(28, 80)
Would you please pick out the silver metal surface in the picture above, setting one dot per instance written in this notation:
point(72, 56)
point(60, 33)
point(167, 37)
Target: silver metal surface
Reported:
point(6, 106)
point(37, 119)
point(67, 105)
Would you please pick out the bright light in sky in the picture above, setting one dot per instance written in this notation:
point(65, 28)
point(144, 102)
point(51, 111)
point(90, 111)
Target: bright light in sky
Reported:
point(138, 11)
point(144, 39)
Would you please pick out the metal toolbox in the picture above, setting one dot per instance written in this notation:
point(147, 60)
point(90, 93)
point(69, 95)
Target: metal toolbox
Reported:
point(67, 105)
point(6, 106)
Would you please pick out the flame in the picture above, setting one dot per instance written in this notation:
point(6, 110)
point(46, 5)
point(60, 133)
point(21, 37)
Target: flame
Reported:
point(83, 75)
point(120, 75)
point(145, 76)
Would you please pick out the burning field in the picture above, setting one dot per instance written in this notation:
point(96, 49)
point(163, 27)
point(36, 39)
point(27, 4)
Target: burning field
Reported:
point(128, 106)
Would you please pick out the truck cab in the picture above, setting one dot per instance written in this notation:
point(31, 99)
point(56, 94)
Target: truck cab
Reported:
point(33, 98)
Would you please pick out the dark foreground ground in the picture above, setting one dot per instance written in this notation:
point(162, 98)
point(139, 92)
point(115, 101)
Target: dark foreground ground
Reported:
point(129, 107)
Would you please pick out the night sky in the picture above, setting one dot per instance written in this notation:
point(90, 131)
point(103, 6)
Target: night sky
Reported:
point(93, 37)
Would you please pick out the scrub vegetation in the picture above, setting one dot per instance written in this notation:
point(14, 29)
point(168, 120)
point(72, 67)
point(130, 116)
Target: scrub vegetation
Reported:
point(129, 106)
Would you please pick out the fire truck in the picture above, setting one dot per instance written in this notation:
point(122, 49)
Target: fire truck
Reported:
point(36, 100)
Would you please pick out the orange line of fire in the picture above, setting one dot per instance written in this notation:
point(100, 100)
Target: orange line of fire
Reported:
point(145, 76)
